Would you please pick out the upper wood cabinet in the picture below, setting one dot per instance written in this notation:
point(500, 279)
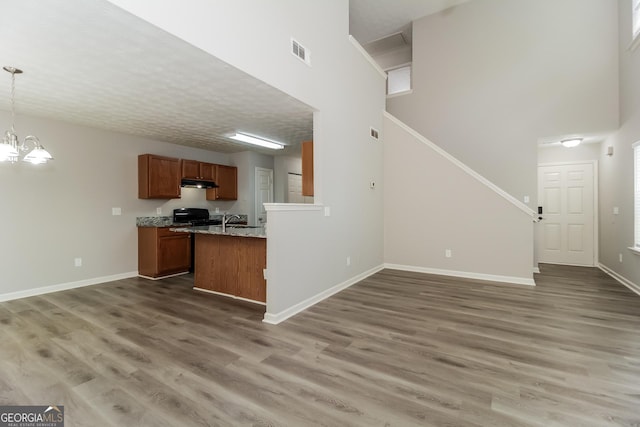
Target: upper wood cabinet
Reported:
point(158, 177)
point(194, 169)
point(227, 179)
point(208, 171)
point(307, 168)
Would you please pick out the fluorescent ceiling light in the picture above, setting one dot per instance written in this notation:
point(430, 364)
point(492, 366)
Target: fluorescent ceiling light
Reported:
point(254, 140)
point(569, 143)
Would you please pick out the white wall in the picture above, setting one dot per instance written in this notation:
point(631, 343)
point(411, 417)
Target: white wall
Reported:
point(490, 77)
point(560, 154)
point(432, 205)
point(306, 251)
point(284, 165)
point(56, 212)
point(616, 172)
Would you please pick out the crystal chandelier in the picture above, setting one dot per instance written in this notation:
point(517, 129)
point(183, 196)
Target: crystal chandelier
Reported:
point(10, 148)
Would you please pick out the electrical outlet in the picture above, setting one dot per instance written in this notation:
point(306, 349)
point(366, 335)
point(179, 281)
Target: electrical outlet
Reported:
point(116, 211)
point(448, 253)
point(348, 261)
point(77, 262)
point(159, 211)
point(327, 211)
point(526, 199)
point(616, 210)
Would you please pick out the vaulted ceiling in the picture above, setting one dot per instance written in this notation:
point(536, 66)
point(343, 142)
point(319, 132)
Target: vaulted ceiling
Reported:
point(90, 63)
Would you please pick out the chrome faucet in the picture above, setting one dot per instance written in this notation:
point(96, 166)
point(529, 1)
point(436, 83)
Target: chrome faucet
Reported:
point(225, 220)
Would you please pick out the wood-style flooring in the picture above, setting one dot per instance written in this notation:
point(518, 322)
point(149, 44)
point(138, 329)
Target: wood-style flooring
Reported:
point(397, 349)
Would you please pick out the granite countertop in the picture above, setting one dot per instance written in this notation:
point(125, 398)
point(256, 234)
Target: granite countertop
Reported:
point(238, 230)
point(154, 221)
point(167, 221)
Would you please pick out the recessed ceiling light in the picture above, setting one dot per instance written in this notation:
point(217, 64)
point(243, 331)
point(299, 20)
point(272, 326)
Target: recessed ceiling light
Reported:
point(254, 140)
point(572, 142)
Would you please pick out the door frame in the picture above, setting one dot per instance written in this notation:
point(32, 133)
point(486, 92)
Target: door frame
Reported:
point(596, 203)
point(256, 208)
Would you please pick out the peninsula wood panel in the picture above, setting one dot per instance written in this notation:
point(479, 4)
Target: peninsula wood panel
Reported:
point(231, 265)
point(252, 260)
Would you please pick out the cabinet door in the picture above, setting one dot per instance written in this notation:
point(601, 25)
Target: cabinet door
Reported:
point(174, 253)
point(227, 180)
point(158, 177)
point(190, 169)
point(307, 168)
point(208, 171)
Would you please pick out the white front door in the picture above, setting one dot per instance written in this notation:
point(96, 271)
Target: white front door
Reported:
point(264, 193)
point(566, 234)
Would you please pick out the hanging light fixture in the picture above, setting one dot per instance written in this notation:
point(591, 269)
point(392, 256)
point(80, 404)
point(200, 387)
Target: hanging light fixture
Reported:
point(10, 148)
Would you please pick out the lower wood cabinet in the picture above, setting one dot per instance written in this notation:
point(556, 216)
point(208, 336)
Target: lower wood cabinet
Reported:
point(162, 252)
point(231, 265)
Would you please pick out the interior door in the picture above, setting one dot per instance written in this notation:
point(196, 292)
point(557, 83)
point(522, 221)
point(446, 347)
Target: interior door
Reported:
point(264, 193)
point(566, 234)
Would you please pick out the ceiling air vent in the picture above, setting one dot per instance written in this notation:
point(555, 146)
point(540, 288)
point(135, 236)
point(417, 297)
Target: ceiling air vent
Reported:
point(300, 52)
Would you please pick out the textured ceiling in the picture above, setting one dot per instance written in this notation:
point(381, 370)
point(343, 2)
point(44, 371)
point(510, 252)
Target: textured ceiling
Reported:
point(370, 20)
point(91, 63)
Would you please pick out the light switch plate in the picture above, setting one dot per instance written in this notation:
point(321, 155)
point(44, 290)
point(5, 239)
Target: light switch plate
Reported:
point(526, 199)
point(116, 211)
point(616, 210)
point(327, 211)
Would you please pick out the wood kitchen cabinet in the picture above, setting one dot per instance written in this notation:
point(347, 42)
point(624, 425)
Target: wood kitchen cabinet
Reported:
point(162, 252)
point(194, 169)
point(307, 168)
point(158, 177)
point(231, 265)
point(227, 179)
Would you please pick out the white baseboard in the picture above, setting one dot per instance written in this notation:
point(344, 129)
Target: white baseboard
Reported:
point(628, 283)
point(209, 291)
point(65, 286)
point(467, 275)
point(162, 277)
point(274, 319)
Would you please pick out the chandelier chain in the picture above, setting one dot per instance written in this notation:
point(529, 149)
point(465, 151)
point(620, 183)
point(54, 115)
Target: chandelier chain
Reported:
point(13, 102)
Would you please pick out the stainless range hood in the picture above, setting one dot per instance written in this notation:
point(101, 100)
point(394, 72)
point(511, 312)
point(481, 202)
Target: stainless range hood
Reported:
point(197, 183)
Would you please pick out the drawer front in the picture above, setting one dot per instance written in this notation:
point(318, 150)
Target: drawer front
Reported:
point(164, 232)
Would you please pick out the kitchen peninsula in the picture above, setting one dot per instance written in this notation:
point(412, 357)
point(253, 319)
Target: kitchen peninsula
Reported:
point(230, 260)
